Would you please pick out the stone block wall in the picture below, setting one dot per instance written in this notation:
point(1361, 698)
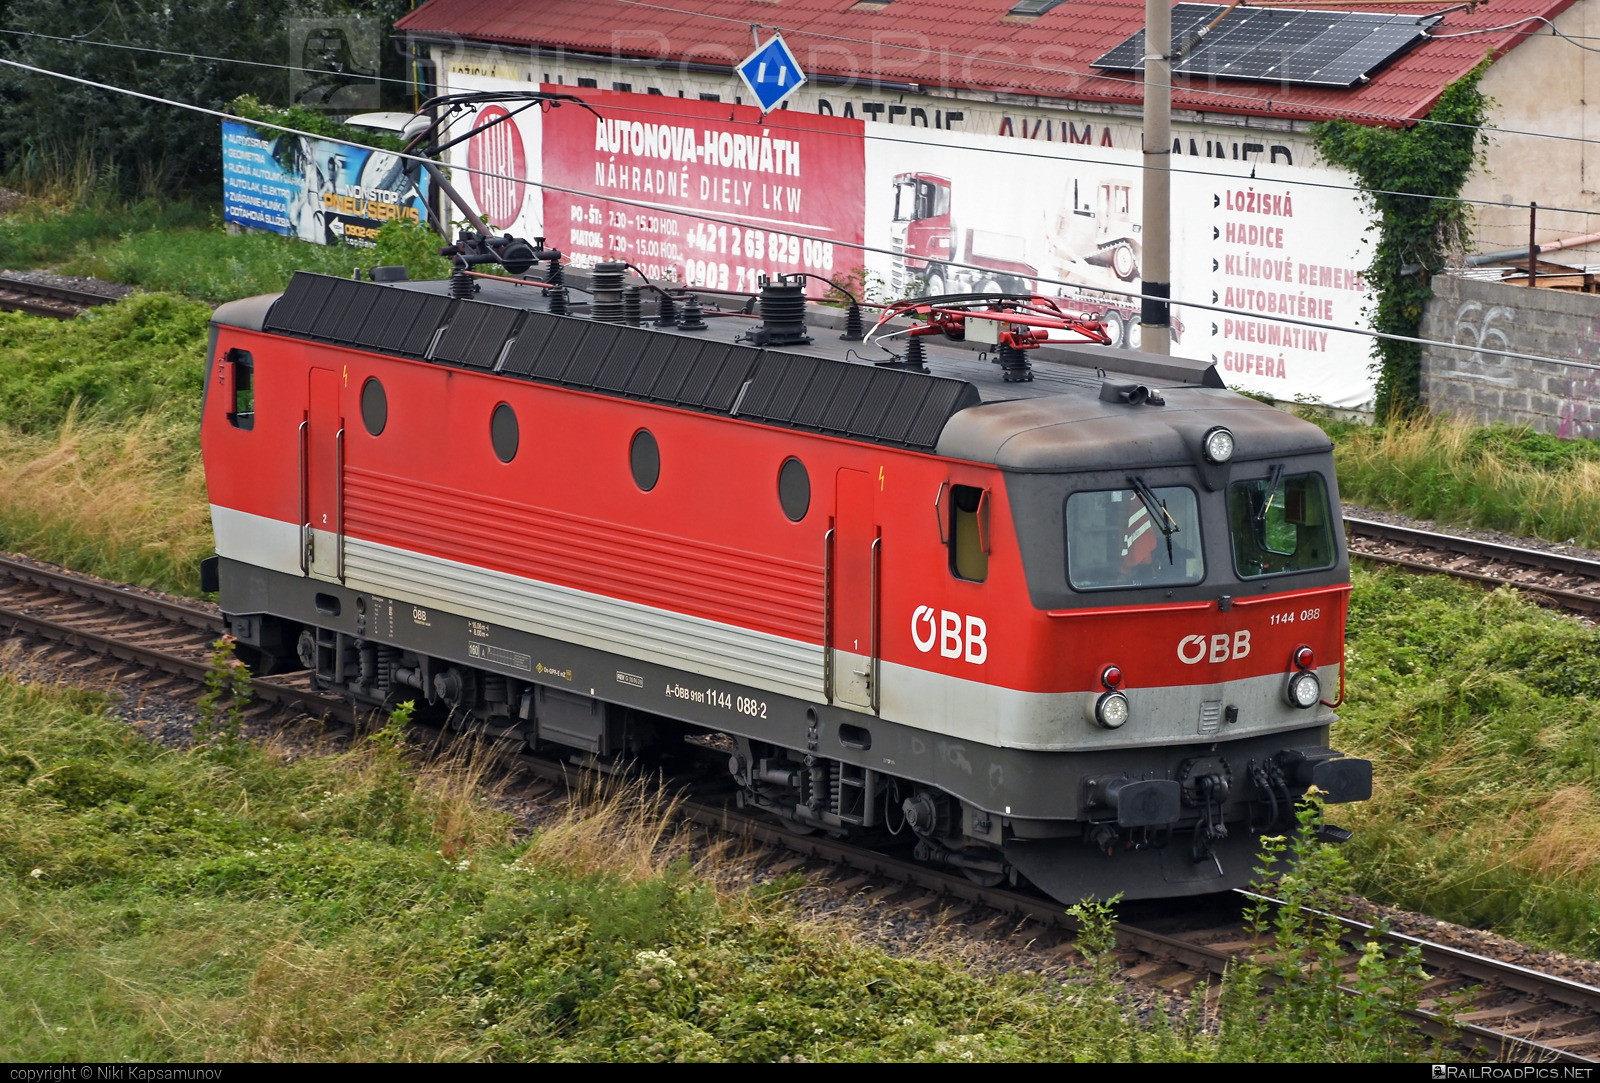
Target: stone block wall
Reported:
point(1560, 399)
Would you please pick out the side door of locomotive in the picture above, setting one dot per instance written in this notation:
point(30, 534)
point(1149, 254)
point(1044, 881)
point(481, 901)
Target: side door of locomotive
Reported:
point(854, 640)
point(322, 480)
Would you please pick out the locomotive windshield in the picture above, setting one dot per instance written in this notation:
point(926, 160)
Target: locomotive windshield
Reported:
point(1116, 539)
point(1280, 524)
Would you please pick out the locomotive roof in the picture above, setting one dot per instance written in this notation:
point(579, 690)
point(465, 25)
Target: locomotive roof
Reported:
point(961, 408)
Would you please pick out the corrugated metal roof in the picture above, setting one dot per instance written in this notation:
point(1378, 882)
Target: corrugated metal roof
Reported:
point(970, 44)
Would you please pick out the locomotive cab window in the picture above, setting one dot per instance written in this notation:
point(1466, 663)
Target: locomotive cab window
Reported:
point(242, 396)
point(1136, 537)
point(1280, 524)
point(969, 532)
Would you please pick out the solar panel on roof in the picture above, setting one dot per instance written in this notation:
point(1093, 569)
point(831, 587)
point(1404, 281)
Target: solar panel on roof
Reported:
point(1034, 7)
point(1316, 48)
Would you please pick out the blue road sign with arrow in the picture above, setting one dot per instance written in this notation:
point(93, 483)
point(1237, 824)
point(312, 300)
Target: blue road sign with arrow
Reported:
point(771, 73)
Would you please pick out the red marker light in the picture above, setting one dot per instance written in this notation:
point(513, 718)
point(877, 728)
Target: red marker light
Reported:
point(1111, 676)
point(1303, 657)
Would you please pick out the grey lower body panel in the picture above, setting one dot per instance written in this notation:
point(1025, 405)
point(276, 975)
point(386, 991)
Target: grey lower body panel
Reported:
point(1069, 870)
point(1013, 783)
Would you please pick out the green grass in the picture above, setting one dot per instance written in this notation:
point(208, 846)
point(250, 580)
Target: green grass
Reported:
point(225, 904)
point(182, 248)
point(41, 235)
point(1481, 714)
point(1500, 477)
point(99, 440)
point(209, 265)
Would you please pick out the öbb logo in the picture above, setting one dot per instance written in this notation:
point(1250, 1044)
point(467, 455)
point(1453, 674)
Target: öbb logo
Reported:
point(1220, 647)
point(947, 632)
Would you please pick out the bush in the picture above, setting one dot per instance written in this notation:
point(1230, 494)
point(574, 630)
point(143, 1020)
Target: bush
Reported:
point(412, 246)
point(1314, 1010)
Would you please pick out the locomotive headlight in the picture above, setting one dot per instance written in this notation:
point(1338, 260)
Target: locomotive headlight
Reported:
point(1304, 690)
point(1110, 710)
point(1218, 445)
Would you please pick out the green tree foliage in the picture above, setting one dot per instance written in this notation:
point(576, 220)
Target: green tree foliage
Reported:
point(1401, 170)
point(47, 123)
point(412, 246)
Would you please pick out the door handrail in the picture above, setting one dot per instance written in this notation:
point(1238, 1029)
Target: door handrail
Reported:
point(305, 507)
point(338, 503)
point(827, 615)
point(872, 665)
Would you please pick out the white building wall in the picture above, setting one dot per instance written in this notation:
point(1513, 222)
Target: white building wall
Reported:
point(1546, 84)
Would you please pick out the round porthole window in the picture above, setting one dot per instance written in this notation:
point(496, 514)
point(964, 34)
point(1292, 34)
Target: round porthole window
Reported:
point(794, 489)
point(503, 432)
point(645, 459)
point(374, 406)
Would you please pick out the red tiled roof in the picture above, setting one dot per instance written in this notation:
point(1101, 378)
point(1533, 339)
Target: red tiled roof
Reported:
point(972, 44)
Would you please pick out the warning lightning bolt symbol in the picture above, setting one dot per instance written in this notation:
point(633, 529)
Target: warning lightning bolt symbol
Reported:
point(880, 479)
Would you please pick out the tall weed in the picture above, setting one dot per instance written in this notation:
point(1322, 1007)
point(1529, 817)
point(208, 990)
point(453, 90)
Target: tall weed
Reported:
point(1299, 1003)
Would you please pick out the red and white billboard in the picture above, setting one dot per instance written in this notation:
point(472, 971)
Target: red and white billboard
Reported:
point(496, 157)
point(786, 190)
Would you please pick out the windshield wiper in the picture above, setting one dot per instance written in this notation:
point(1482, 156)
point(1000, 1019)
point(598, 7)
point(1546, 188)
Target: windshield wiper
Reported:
point(1272, 486)
point(1158, 514)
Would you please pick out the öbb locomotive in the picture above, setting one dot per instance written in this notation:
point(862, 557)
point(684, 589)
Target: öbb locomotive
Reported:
point(1053, 624)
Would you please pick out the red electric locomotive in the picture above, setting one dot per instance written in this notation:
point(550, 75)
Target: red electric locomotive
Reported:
point(1081, 629)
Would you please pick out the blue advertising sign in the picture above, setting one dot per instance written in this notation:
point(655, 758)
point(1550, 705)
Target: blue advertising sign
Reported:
point(314, 189)
point(772, 73)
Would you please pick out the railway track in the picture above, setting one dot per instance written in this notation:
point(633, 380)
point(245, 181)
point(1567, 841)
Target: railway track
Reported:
point(1554, 579)
point(20, 293)
point(1517, 1012)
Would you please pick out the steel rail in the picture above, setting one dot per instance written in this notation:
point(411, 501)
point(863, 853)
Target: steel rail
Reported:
point(165, 661)
point(1494, 552)
point(41, 299)
point(112, 594)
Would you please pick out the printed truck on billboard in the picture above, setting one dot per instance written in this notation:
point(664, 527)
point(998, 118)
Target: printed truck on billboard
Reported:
point(314, 189)
point(785, 190)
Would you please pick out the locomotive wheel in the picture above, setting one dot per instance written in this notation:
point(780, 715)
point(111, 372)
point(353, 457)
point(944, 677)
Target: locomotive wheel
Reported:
point(984, 879)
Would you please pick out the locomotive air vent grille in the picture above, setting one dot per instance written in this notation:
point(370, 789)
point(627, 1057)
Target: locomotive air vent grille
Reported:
point(818, 394)
point(1210, 717)
point(387, 323)
point(677, 369)
point(289, 314)
point(602, 337)
point(642, 379)
point(347, 296)
point(902, 410)
point(730, 377)
point(848, 398)
point(419, 335)
point(702, 375)
point(623, 359)
point(476, 334)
